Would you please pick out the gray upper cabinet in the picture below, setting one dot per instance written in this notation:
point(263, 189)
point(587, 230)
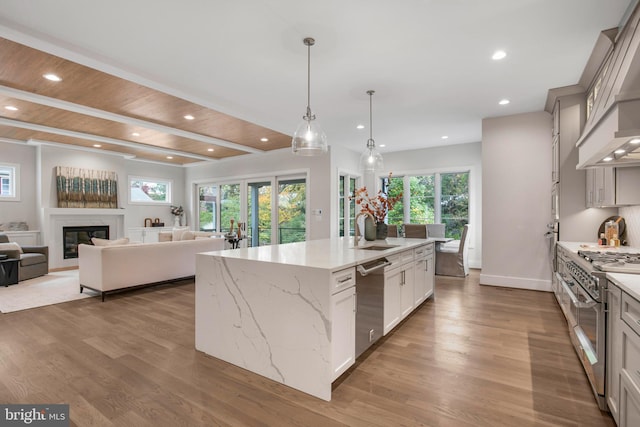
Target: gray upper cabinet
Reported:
point(628, 186)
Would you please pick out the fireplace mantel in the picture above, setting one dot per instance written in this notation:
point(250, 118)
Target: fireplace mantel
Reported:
point(54, 219)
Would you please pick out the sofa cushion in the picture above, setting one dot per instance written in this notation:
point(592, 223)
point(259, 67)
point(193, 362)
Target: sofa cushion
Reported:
point(165, 236)
point(188, 235)
point(104, 242)
point(32, 259)
point(177, 232)
point(10, 246)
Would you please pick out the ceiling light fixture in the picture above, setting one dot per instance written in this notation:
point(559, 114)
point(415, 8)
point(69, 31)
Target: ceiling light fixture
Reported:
point(371, 159)
point(97, 145)
point(504, 102)
point(210, 149)
point(264, 139)
point(635, 141)
point(189, 117)
point(52, 77)
point(360, 127)
point(135, 134)
point(499, 54)
point(309, 139)
point(620, 151)
point(445, 137)
point(607, 159)
point(11, 108)
point(169, 157)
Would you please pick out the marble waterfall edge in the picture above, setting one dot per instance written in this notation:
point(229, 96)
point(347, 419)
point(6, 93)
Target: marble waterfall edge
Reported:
point(271, 319)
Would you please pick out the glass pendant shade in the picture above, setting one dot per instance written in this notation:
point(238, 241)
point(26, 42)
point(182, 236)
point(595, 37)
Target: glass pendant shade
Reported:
point(371, 159)
point(309, 139)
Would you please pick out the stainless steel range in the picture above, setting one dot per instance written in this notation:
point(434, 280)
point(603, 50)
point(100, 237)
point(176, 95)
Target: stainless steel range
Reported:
point(580, 286)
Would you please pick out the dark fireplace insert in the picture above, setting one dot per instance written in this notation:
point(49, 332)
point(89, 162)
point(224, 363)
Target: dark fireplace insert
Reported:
point(74, 236)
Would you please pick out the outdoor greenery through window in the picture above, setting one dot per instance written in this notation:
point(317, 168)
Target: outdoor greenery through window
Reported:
point(433, 198)
point(149, 190)
point(347, 205)
point(9, 178)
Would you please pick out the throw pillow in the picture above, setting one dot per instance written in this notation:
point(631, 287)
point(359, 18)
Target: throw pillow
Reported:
point(188, 235)
point(11, 246)
point(164, 236)
point(104, 242)
point(177, 232)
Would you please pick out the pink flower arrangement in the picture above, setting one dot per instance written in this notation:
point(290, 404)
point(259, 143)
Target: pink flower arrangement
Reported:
point(377, 206)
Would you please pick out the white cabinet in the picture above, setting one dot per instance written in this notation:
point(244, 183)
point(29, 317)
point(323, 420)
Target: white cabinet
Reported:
point(399, 291)
point(424, 271)
point(343, 331)
point(614, 342)
point(623, 365)
point(600, 187)
point(627, 188)
point(146, 234)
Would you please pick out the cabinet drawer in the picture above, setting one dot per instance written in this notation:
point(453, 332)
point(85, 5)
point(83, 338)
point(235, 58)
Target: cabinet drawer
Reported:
point(423, 251)
point(343, 279)
point(401, 257)
point(631, 354)
point(630, 312)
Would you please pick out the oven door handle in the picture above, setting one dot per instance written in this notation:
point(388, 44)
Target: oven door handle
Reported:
point(569, 292)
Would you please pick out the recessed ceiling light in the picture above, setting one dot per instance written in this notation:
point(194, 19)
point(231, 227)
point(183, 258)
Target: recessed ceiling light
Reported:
point(11, 108)
point(135, 134)
point(209, 149)
point(445, 137)
point(607, 159)
point(635, 141)
point(169, 157)
point(97, 145)
point(52, 77)
point(264, 139)
point(620, 151)
point(189, 117)
point(360, 127)
point(504, 102)
point(499, 54)
point(382, 145)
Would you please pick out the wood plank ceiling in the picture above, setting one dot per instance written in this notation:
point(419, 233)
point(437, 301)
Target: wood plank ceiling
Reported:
point(90, 108)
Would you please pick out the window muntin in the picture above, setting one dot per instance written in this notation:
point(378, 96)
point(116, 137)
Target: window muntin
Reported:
point(149, 191)
point(9, 182)
point(346, 205)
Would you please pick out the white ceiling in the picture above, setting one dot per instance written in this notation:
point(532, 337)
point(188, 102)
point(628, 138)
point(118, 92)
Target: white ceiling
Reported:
point(429, 61)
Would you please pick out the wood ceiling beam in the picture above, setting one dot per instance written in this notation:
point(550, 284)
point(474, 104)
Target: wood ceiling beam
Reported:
point(94, 112)
point(97, 138)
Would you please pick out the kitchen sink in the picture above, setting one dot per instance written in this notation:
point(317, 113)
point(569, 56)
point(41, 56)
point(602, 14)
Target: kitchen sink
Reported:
point(376, 247)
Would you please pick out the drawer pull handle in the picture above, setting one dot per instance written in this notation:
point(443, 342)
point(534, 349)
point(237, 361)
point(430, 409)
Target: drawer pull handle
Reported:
point(346, 279)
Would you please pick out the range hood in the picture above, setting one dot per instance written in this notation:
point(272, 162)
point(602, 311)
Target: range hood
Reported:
point(611, 136)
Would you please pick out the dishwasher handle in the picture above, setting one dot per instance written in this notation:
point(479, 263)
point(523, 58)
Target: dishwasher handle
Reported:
point(364, 271)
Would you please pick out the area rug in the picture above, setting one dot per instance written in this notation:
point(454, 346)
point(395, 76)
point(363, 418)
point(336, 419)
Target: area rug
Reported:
point(54, 288)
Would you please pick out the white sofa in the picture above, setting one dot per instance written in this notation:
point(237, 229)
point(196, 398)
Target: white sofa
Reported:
point(115, 267)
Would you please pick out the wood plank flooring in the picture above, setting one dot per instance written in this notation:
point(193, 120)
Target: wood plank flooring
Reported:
point(474, 356)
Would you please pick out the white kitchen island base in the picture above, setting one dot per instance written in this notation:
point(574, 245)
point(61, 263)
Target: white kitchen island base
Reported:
point(274, 310)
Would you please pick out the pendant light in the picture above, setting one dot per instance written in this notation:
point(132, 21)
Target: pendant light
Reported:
point(371, 159)
point(309, 139)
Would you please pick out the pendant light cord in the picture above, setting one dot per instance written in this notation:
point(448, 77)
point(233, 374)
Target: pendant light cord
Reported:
point(371, 143)
point(309, 42)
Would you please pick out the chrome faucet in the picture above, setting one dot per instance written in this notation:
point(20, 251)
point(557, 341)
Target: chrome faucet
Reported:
point(356, 237)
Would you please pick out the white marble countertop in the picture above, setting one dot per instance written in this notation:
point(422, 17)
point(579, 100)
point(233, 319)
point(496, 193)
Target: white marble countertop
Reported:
point(592, 246)
point(630, 283)
point(331, 254)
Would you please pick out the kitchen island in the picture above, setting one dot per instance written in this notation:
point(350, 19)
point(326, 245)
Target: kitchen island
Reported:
point(287, 312)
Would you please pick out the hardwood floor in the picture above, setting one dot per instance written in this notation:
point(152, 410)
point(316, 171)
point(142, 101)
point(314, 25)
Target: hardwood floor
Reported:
point(476, 356)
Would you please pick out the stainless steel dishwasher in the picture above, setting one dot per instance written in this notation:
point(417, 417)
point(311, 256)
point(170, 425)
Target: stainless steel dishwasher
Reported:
point(370, 303)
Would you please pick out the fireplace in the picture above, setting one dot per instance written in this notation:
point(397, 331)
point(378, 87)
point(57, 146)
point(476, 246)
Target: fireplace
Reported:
point(74, 236)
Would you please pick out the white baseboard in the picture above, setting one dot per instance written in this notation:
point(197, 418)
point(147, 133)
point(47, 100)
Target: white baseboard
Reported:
point(516, 282)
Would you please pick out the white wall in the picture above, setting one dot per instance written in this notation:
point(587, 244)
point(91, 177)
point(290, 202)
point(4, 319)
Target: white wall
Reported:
point(516, 170)
point(443, 159)
point(134, 214)
point(631, 215)
point(25, 208)
point(278, 162)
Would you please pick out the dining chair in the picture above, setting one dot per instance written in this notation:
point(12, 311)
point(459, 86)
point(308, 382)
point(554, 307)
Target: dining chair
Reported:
point(452, 257)
point(392, 230)
point(436, 230)
point(415, 231)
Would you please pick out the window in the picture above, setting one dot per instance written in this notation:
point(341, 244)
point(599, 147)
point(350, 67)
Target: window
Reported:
point(149, 191)
point(433, 198)
point(229, 206)
point(9, 182)
point(207, 212)
point(347, 205)
point(292, 203)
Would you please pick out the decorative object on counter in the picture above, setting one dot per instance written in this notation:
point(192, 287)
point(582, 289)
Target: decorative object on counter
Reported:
point(309, 139)
point(378, 207)
point(371, 159)
point(614, 225)
point(148, 222)
point(602, 241)
point(370, 229)
point(86, 188)
point(157, 223)
point(14, 226)
point(177, 213)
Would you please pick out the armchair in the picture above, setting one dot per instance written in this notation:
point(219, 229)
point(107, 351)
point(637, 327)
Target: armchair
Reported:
point(34, 260)
point(452, 258)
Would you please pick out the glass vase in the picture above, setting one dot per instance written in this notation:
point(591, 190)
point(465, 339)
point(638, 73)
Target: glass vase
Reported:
point(370, 230)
